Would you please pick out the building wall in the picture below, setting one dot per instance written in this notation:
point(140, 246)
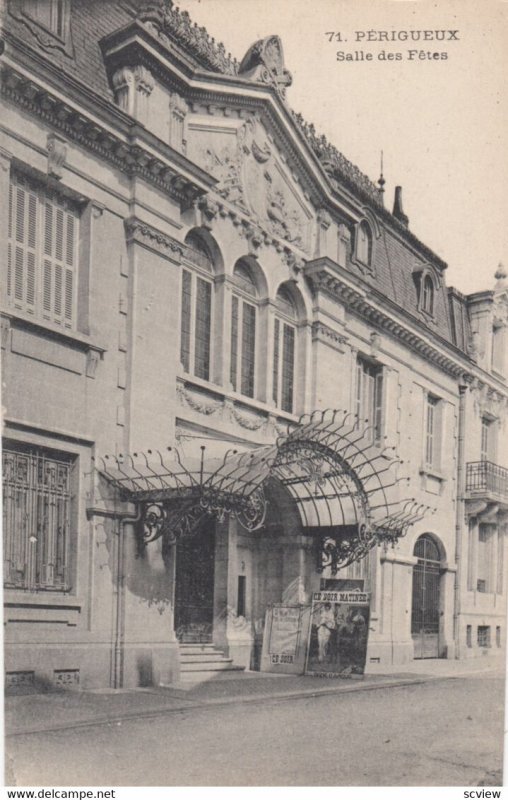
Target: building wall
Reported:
point(113, 383)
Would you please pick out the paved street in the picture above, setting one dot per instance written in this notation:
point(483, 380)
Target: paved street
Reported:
point(442, 732)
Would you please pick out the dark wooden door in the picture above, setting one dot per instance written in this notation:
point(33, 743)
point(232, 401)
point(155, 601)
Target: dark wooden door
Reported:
point(195, 566)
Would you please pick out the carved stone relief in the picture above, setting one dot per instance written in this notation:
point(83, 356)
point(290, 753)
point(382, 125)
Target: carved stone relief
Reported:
point(251, 175)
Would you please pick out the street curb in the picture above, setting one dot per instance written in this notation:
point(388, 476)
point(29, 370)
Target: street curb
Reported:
point(203, 704)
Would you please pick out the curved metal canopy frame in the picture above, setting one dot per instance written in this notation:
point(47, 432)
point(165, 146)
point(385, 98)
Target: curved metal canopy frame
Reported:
point(344, 484)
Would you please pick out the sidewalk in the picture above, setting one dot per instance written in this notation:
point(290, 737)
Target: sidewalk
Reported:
point(33, 713)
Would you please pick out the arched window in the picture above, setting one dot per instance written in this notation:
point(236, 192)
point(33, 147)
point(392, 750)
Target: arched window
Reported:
point(284, 336)
point(426, 604)
point(243, 331)
point(428, 295)
point(196, 307)
point(364, 243)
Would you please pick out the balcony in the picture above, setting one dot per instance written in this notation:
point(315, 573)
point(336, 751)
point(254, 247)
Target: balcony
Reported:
point(485, 480)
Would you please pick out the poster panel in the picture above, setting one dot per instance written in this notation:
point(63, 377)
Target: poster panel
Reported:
point(285, 639)
point(338, 633)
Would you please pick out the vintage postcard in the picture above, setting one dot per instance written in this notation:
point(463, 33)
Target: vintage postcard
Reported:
point(254, 365)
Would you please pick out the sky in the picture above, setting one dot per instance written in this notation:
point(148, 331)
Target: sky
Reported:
point(441, 123)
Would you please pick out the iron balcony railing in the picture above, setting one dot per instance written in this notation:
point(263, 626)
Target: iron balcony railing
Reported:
point(484, 476)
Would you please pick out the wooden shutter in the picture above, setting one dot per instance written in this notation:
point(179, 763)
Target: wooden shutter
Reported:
point(21, 257)
point(42, 253)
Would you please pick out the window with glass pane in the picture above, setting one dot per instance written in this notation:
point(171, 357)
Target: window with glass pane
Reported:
point(284, 353)
point(432, 441)
point(196, 325)
point(486, 440)
point(50, 14)
point(243, 333)
point(364, 244)
point(37, 498)
point(428, 295)
point(42, 252)
point(369, 396)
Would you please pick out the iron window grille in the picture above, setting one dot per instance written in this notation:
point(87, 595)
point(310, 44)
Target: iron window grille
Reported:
point(483, 635)
point(42, 258)
point(37, 516)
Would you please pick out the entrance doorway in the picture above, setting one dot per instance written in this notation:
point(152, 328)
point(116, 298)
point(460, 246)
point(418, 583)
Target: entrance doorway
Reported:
point(425, 609)
point(195, 566)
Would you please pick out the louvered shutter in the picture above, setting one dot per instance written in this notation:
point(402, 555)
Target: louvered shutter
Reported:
point(21, 258)
point(59, 262)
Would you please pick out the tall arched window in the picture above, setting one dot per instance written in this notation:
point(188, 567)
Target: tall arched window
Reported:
point(243, 331)
point(428, 295)
point(196, 307)
point(284, 342)
point(364, 243)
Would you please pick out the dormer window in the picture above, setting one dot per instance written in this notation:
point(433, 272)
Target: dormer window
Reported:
point(53, 15)
point(48, 20)
point(364, 243)
point(428, 295)
point(426, 283)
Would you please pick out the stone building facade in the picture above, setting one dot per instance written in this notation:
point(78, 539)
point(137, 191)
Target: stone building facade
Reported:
point(187, 264)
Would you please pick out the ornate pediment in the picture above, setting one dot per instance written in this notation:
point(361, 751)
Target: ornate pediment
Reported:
point(251, 174)
point(264, 62)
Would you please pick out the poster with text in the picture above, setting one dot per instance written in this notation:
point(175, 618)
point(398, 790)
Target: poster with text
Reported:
point(338, 634)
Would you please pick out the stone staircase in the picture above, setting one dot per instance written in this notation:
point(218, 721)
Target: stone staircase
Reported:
point(200, 662)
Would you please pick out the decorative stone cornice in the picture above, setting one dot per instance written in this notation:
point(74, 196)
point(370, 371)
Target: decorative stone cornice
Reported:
point(325, 277)
point(126, 154)
point(153, 239)
point(326, 335)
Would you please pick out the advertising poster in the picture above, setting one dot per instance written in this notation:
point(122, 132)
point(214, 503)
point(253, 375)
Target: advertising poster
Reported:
point(285, 639)
point(338, 634)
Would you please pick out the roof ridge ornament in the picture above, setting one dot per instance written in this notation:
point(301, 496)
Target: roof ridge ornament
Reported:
point(264, 62)
point(167, 21)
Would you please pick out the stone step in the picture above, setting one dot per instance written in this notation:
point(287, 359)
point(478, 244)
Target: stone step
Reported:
point(195, 676)
point(206, 665)
point(197, 649)
point(198, 658)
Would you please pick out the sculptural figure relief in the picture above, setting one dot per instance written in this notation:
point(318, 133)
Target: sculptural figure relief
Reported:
point(250, 175)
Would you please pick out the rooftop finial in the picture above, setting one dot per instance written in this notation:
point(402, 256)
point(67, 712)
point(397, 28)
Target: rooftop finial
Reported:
point(381, 182)
point(500, 276)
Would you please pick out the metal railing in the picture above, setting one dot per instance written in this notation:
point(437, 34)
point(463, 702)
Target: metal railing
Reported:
point(484, 476)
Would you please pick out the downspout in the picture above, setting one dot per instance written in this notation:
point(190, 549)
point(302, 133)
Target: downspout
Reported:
point(119, 637)
point(459, 515)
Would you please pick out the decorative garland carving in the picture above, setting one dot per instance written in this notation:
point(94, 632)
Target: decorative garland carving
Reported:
point(191, 400)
